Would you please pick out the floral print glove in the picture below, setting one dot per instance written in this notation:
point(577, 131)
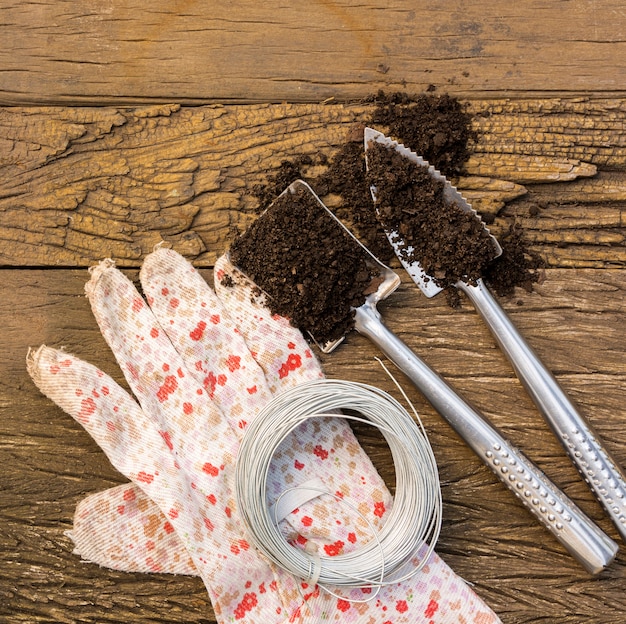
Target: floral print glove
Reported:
point(201, 363)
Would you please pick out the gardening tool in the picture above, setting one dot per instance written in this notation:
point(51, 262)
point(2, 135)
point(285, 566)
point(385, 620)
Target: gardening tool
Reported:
point(584, 447)
point(571, 527)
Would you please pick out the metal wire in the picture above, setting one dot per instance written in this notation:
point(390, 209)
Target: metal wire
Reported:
point(413, 521)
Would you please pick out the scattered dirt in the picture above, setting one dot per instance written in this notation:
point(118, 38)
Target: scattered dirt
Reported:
point(436, 127)
point(449, 242)
point(517, 266)
point(227, 281)
point(312, 269)
point(346, 177)
point(287, 172)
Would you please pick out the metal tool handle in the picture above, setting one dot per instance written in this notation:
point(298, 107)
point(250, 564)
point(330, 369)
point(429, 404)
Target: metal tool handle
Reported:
point(571, 527)
point(601, 472)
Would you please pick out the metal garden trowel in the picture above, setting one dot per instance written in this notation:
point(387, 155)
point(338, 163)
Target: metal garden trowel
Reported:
point(584, 447)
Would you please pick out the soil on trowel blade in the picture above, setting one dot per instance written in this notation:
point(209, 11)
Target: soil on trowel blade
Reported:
point(313, 271)
point(449, 242)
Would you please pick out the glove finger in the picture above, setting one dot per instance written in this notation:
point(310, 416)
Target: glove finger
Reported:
point(122, 529)
point(119, 426)
point(156, 372)
point(278, 347)
point(212, 347)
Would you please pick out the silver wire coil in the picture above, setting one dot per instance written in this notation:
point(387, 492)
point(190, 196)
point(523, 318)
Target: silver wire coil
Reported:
point(412, 523)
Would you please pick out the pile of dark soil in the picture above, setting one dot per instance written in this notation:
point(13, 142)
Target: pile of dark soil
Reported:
point(314, 272)
point(437, 128)
point(449, 242)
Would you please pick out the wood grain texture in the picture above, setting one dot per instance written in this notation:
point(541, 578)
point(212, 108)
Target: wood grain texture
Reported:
point(65, 51)
point(574, 321)
point(78, 184)
point(269, 82)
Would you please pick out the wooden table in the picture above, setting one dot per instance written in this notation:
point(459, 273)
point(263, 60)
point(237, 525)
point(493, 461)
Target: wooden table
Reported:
point(126, 124)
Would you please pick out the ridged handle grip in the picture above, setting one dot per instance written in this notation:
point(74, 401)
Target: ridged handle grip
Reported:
point(559, 514)
point(584, 447)
point(571, 527)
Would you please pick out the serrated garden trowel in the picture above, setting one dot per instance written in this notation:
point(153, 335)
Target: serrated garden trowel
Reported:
point(584, 447)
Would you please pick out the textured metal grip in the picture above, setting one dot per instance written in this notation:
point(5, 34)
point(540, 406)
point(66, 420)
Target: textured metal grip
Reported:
point(583, 539)
point(583, 445)
point(599, 470)
point(571, 527)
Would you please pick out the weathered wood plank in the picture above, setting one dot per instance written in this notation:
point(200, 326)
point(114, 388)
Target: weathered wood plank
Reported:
point(79, 184)
point(574, 321)
point(555, 127)
point(68, 52)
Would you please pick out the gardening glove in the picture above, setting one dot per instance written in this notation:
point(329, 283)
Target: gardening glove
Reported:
point(274, 356)
point(179, 444)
